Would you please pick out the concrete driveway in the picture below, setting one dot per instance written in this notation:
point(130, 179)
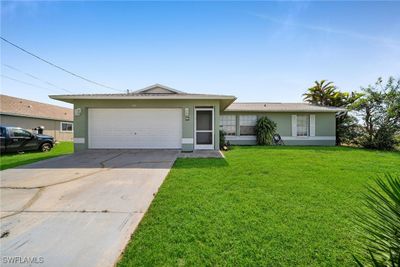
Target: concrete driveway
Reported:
point(78, 210)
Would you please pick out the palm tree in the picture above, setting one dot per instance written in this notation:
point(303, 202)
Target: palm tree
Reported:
point(322, 93)
point(325, 93)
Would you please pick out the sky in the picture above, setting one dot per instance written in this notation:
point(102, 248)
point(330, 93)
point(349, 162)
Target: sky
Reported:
point(257, 51)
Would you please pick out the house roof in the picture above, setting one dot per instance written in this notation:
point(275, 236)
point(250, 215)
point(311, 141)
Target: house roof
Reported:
point(155, 91)
point(158, 91)
point(280, 107)
point(26, 108)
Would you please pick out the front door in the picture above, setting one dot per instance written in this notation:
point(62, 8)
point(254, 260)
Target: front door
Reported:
point(204, 128)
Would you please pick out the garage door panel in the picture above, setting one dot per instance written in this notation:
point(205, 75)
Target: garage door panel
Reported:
point(135, 128)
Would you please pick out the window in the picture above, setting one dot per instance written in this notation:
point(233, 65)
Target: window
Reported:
point(16, 132)
point(247, 124)
point(227, 123)
point(303, 125)
point(2, 131)
point(66, 127)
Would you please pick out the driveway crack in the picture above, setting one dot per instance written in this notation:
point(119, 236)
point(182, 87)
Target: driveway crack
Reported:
point(103, 168)
point(42, 188)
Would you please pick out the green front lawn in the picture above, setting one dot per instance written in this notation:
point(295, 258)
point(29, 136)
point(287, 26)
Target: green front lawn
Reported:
point(11, 160)
point(261, 206)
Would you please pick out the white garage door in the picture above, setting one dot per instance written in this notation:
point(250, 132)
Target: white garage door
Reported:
point(135, 128)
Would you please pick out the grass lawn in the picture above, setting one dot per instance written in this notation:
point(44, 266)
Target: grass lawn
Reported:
point(11, 160)
point(261, 206)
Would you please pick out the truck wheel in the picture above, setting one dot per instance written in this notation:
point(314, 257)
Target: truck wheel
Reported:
point(45, 147)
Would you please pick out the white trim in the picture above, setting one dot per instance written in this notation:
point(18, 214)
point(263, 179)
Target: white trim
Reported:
point(61, 130)
point(187, 140)
point(79, 140)
point(298, 138)
point(294, 125)
point(171, 96)
point(210, 146)
point(240, 138)
point(312, 124)
point(288, 138)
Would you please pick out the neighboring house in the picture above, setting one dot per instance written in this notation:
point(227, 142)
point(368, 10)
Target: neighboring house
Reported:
point(161, 117)
point(57, 121)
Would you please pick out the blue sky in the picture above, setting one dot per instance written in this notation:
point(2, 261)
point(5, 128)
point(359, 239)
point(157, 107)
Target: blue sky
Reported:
point(257, 51)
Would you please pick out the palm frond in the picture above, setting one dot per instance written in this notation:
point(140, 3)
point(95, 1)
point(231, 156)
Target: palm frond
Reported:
point(380, 223)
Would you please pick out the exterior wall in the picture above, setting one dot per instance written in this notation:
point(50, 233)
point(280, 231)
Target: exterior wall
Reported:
point(51, 127)
point(325, 129)
point(81, 122)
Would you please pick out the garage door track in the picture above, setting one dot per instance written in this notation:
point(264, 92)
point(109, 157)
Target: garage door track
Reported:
point(78, 210)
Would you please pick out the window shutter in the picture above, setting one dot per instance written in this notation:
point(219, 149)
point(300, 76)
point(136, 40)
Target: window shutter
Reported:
point(312, 125)
point(294, 125)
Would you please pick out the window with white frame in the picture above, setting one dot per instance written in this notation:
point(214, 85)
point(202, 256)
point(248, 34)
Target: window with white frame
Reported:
point(66, 127)
point(227, 123)
point(303, 125)
point(247, 124)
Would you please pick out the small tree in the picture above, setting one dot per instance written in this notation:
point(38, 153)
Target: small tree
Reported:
point(379, 110)
point(222, 134)
point(265, 130)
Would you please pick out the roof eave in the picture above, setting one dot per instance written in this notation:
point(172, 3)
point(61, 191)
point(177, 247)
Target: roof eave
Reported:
point(276, 111)
point(67, 97)
point(36, 117)
point(226, 103)
point(225, 100)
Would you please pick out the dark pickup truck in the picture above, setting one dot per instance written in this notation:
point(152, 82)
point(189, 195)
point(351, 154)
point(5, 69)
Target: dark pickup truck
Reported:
point(15, 139)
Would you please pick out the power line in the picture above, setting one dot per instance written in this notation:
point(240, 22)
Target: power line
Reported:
point(37, 78)
point(58, 67)
point(26, 83)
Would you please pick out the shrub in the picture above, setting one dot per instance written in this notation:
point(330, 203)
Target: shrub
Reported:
point(383, 139)
point(265, 129)
point(380, 224)
point(222, 138)
point(379, 111)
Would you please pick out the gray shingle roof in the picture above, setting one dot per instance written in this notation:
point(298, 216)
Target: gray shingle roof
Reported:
point(139, 95)
point(280, 107)
point(225, 100)
point(27, 108)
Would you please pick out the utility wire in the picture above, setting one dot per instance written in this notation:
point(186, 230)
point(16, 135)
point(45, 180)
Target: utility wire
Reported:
point(37, 78)
point(26, 83)
point(58, 67)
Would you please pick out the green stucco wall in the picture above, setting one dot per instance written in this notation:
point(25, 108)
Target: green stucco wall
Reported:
point(81, 121)
point(324, 122)
point(325, 126)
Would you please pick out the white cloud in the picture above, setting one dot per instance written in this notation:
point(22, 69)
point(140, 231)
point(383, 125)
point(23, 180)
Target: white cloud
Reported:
point(289, 21)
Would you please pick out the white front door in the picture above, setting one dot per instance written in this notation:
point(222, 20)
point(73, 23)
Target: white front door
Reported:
point(135, 128)
point(204, 128)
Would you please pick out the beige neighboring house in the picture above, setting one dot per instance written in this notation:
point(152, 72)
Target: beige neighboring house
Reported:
point(57, 121)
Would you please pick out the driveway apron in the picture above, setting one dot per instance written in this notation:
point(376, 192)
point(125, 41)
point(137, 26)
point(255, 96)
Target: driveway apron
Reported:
point(77, 210)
